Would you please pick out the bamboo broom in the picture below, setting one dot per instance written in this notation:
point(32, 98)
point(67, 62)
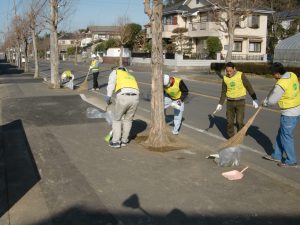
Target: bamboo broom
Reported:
point(84, 85)
point(238, 138)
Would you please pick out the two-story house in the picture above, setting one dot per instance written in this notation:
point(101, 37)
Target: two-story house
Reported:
point(65, 42)
point(103, 32)
point(250, 36)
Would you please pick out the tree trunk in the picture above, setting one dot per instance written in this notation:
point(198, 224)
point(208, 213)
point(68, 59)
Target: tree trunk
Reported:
point(26, 56)
point(36, 67)
point(230, 47)
point(54, 45)
point(76, 52)
point(121, 55)
point(158, 132)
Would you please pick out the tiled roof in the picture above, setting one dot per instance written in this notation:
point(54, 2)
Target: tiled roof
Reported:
point(104, 29)
point(288, 14)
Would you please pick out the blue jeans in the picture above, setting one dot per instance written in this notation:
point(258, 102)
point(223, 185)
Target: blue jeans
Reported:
point(285, 140)
point(177, 113)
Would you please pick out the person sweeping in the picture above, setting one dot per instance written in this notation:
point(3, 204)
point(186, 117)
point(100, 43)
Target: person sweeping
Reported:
point(234, 87)
point(286, 93)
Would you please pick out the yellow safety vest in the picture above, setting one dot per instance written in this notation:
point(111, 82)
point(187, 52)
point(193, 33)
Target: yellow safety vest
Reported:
point(125, 80)
point(67, 74)
point(174, 91)
point(93, 64)
point(235, 86)
point(291, 96)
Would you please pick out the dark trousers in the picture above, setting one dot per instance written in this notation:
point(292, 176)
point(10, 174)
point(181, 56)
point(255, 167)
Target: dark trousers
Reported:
point(235, 111)
point(95, 80)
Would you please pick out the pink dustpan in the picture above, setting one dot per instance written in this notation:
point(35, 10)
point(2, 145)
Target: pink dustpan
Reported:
point(234, 174)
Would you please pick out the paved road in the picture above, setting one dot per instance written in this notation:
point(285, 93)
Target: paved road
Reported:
point(204, 95)
point(56, 169)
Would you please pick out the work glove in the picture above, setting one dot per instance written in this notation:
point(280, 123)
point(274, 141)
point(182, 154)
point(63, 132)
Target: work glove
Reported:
point(108, 100)
point(255, 104)
point(176, 104)
point(219, 108)
point(265, 102)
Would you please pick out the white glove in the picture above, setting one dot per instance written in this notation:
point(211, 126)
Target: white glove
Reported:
point(265, 102)
point(255, 104)
point(219, 108)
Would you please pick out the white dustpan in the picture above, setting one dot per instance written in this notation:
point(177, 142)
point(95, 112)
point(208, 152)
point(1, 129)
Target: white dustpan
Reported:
point(234, 174)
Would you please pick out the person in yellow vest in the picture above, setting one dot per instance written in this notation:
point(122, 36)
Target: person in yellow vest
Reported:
point(286, 93)
point(67, 79)
point(126, 89)
point(234, 87)
point(175, 92)
point(94, 68)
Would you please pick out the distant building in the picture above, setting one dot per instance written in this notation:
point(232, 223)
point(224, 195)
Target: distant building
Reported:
point(65, 42)
point(288, 17)
point(250, 37)
point(103, 32)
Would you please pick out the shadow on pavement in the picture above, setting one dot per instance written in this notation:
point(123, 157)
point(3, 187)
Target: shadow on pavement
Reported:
point(138, 126)
point(6, 69)
point(19, 172)
point(79, 215)
point(262, 139)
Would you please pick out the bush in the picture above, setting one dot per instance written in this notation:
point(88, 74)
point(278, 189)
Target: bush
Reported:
point(254, 68)
point(214, 45)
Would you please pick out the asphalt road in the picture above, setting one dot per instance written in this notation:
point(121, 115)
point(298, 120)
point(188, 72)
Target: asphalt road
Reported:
point(202, 101)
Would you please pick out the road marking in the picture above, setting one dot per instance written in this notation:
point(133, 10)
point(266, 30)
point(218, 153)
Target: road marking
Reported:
point(217, 98)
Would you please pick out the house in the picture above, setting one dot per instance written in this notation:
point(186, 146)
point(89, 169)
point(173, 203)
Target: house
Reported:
point(288, 17)
point(66, 41)
point(103, 32)
point(197, 17)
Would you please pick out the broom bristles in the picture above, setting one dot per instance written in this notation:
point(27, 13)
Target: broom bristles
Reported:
point(84, 85)
point(238, 138)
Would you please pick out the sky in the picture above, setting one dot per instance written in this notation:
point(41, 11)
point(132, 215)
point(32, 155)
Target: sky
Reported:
point(84, 13)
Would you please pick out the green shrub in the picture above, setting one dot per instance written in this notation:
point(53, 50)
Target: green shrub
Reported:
point(214, 45)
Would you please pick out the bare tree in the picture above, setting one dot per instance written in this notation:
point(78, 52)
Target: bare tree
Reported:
point(35, 9)
point(59, 10)
point(158, 137)
point(229, 13)
point(124, 34)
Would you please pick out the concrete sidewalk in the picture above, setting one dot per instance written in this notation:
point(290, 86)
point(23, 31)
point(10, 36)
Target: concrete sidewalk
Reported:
point(55, 168)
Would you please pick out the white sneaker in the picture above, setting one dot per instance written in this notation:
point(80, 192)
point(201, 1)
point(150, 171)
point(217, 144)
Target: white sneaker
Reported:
point(93, 89)
point(175, 132)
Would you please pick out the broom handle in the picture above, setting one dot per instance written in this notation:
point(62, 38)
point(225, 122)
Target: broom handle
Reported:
point(243, 170)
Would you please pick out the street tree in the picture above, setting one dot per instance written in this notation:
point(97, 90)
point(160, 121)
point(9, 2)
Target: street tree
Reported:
point(124, 33)
point(158, 135)
point(59, 10)
point(229, 13)
point(35, 25)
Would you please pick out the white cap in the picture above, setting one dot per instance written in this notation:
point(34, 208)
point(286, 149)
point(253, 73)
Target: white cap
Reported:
point(166, 79)
point(93, 56)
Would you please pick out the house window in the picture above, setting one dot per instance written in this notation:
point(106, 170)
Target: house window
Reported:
point(254, 46)
point(253, 21)
point(197, 1)
point(63, 42)
point(237, 46)
point(170, 20)
point(203, 17)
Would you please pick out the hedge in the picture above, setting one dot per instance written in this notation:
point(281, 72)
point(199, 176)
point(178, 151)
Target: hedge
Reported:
point(254, 68)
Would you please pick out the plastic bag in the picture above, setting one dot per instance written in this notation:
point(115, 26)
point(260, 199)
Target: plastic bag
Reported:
point(229, 157)
point(108, 117)
point(94, 113)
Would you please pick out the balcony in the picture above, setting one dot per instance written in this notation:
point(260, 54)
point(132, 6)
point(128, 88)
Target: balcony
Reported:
point(202, 29)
